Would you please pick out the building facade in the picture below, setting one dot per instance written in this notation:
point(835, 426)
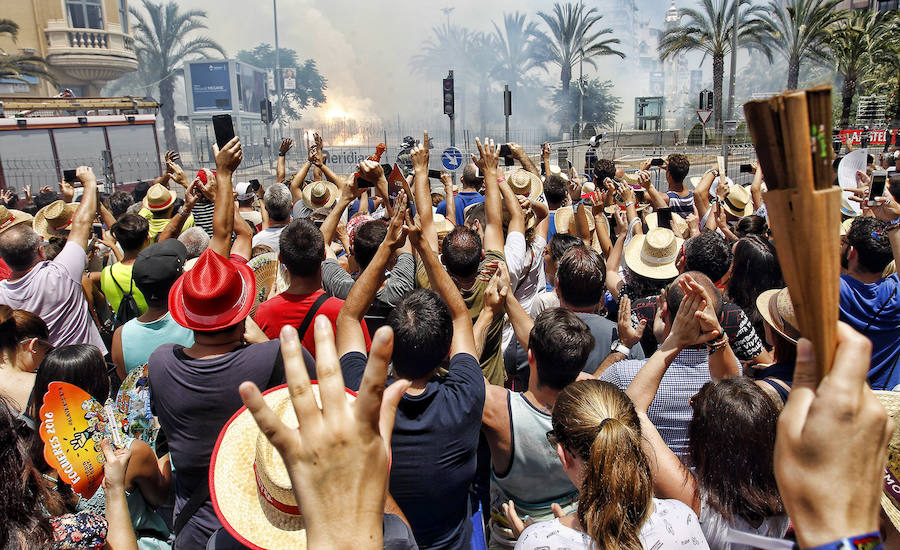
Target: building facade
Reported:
point(86, 42)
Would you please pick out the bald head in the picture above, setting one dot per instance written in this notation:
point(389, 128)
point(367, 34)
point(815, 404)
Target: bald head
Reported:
point(469, 180)
point(20, 247)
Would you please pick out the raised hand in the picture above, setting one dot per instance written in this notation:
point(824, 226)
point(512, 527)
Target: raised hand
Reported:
point(177, 173)
point(629, 335)
point(85, 174)
point(286, 145)
point(696, 321)
point(420, 156)
point(885, 209)
point(115, 466)
point(66, 191)
point(229, 157)
point(490, 158)
point(370, 170)
point(396, 234)
point(173, 157)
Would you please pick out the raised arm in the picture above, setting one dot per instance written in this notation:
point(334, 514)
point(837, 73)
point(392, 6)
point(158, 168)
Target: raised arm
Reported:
point(601, 226)
point(349, 192)
point(227, 161)
point(512, 205)
point(350, 336)
point(614, 281)
point(83, 220)
point(518, 153)
point(701, 192)
point(521, 322)
point(657, 199)
point(296, 184)
point(493, 208)
point(370, 170)
point(419, 156)
point(286, 145)
point(173, 228)
point(449, 197)
point(243, 236)
point(756, 186)
point(888, 211)
point(494, 301)
point(463, 339)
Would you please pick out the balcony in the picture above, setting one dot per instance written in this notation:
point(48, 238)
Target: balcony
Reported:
point(93, 56)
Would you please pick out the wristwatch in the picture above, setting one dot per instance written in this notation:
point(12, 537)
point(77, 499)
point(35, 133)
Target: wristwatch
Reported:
point(618, 346)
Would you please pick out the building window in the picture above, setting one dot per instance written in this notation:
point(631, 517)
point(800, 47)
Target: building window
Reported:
point(85, 14)
point(123, 15)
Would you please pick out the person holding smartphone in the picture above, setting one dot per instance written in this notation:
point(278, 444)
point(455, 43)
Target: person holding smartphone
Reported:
point(677, 197)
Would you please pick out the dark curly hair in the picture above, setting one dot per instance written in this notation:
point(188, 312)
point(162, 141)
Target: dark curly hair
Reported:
point(709, 254)
point(872, 245)
point(678, 166)
point(604, 168)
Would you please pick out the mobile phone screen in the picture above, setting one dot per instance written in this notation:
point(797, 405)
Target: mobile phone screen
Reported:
point(434, 174)
point(505, 150)
point(746, 168)
point(879, 179)
point(664, 218)
point(224, 129)
point(69, 176)
point(656, 162)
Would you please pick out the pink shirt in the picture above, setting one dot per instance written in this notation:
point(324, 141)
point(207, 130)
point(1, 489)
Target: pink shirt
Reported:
point(52, 290)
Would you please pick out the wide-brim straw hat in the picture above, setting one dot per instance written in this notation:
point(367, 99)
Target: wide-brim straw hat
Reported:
point(738, 201)
point(678, 223)
point(525, 183)
point(11, 218)
point(611, 209)
point(249, 485)
point(442, 225)
point(563, 218)
point(54, 220)
point(890, 494)
point(158, 198)
point(215, 294)
point(654, 255)
point(321, 194)
point(777, 310)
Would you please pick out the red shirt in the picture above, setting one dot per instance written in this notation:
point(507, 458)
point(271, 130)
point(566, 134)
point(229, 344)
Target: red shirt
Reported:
point(290, 309)
point(5, 271)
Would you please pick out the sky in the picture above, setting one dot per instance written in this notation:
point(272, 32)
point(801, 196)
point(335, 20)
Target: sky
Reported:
point(364, 48)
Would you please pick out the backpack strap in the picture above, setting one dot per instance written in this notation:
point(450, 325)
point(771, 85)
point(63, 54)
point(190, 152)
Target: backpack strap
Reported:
point(311, 314)
point(198, 498)
point(122, 290)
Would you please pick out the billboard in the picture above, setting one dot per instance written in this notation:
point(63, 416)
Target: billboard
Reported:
point(251, 87)
point(211, 86)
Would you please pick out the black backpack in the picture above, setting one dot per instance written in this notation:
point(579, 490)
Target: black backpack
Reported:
point(128, 308)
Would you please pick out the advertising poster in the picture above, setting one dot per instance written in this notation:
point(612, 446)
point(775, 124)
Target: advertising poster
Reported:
point(252, 88)
point(211, 86)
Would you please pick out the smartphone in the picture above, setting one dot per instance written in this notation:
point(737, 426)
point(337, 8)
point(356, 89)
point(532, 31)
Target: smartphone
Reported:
point(505, 150)
point(69, 176)
point(657, 162)
point(98, 231)
point(434, 174)
point(664, 218)
point(879, 179)
point(224, 129)
point(746, 168)
point(363, 183)
point(255, 185)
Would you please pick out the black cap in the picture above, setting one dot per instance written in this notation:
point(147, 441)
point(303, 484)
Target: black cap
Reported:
point(157, 267)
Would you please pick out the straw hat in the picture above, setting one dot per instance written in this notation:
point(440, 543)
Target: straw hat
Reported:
point(611, 209)
point(10, 218)
point(215, 294)
point(320, 194)
point(678, 223)
point(158, 198)
point(777, 310)
point(738, 202)
point(890, 495)
point(562, 220)
point(524, 182)
point(653, 255)
point(54, 219)
point(251, 491)
point(442, 225)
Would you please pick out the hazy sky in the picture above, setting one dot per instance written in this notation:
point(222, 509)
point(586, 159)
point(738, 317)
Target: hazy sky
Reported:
point(364, 48)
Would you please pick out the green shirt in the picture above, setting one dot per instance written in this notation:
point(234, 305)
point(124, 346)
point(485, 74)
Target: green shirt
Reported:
point(122, 273)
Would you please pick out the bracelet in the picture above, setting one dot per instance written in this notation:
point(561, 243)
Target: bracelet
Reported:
point(629, 203)
point(718, 344)
point(282, 154)
point(501, 179)
point(870, 541)
point(891, 226)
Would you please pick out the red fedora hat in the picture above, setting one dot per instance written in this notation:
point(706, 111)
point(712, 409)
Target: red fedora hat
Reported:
point(215, 294)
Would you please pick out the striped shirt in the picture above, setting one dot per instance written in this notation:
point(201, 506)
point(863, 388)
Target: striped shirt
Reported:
point(683, 206)
point(203, 215)
point(671, 410)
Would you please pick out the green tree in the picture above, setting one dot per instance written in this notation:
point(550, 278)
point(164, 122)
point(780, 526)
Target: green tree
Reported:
point(311, 85)
point(573, 37)
point(517, 42)
point(600, 105)
point(709, 30)
point(164, 39)
point(852, 41)
point(799, 30)
point(18, 66)
point(885, 78)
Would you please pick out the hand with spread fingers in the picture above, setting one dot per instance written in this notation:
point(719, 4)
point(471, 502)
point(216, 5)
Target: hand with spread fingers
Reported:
point(490, 157)
point(629, 335)
point(286, 145)
point(338, 457)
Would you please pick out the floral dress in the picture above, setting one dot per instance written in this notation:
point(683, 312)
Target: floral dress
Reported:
point(79, 531)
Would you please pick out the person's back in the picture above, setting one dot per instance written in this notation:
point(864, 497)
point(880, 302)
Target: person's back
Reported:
point(116, 281)
point(681, 199)
point(468, 196)
point(870, 303)
point(277, 202)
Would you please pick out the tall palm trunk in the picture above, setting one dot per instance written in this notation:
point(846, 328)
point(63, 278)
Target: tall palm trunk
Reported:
point(718, 77)
point(793, 73)
point(848, 90)
point(167, 107)
point(565, 75)
point(483, 105)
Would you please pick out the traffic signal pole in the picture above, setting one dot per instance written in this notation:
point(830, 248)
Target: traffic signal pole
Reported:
point(449, 105)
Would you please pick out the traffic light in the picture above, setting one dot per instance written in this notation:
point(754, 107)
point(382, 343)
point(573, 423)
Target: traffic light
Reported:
point(448, 94)
point(265, 111)
point(706, 100)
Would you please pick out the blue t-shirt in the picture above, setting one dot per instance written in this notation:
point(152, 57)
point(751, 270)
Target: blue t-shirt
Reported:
point(354, 208)
point(874, 310)
point(463, 199)
point(433, 448)
point(552, 229)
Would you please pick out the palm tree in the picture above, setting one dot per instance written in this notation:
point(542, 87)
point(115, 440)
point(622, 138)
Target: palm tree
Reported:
point(517, 43)
point(852, 41)
point(708, 30)
point(573, 38)
point(164, 43)
point(18, 66)
point(799, 30)
point(887, 62)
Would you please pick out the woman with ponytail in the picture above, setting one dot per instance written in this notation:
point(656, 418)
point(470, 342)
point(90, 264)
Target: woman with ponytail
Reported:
point(597, 436)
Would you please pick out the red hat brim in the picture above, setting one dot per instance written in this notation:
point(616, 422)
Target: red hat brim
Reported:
point(224, 320)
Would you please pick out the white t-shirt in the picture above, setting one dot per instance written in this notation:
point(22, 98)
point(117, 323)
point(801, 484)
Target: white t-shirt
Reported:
point(269, 236)
point(716, 528)
point(671, 525)
point(526, 273)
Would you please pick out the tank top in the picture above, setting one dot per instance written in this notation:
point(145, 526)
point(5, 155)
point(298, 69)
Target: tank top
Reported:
point(139, 340)
point(533, 458)
point(683, 206)
point(122, 274)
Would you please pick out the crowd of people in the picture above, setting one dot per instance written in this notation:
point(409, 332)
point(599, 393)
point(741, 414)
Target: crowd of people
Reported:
point(526, 358)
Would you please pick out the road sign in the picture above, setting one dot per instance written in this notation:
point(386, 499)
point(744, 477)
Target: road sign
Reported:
point(703, 115)
point(451, 158)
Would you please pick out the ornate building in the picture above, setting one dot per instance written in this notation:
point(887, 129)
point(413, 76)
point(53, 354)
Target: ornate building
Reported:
point(86, 43)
